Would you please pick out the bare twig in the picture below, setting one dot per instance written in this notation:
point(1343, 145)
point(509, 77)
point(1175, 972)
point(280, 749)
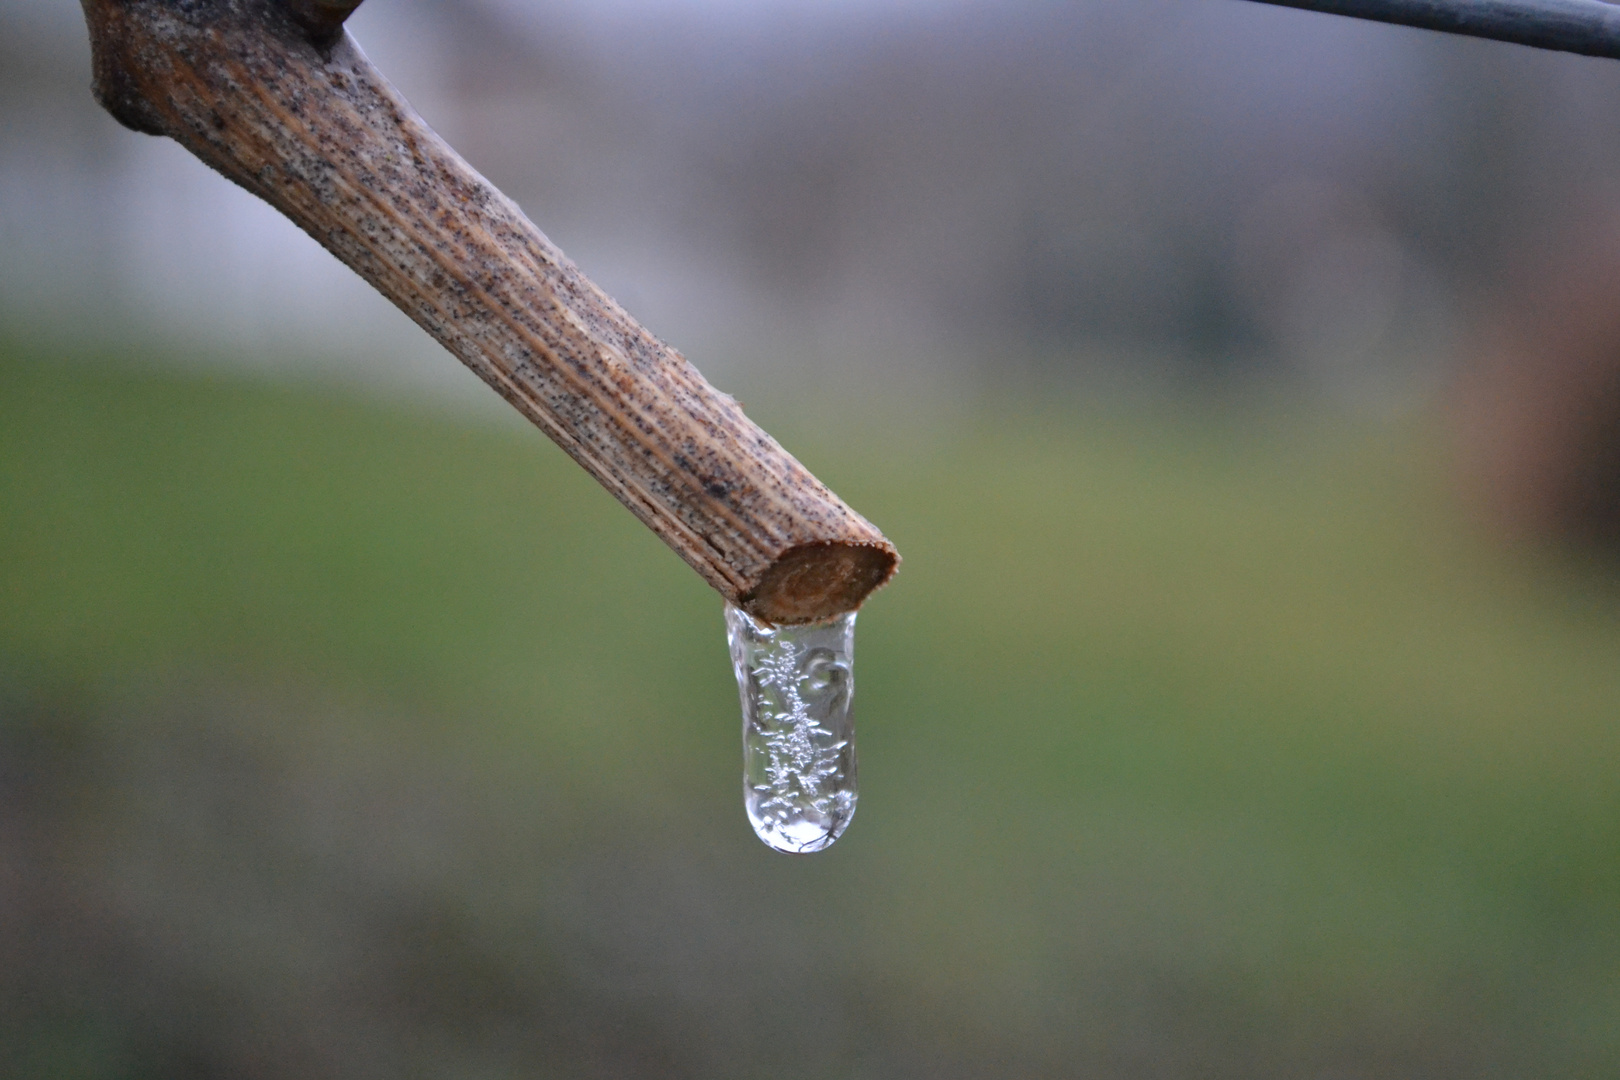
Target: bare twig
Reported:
point(276, 97)
point(1587, 27)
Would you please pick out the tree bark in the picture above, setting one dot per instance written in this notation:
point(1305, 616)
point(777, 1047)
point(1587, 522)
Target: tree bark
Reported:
point(277, 98)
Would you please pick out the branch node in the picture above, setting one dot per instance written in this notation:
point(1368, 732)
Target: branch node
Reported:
point(322, 20)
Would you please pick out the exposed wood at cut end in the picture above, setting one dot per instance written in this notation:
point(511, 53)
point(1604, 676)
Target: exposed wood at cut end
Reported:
point(310, 126)
point(815, 581)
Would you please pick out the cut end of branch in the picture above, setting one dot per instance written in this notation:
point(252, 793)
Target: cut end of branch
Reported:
point(814, 582)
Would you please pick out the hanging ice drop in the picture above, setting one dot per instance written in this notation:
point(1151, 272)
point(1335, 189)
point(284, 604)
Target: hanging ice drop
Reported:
point(796, 684)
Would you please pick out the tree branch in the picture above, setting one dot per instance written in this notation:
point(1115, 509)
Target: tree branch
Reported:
point(273, 95)
point(1587, 27)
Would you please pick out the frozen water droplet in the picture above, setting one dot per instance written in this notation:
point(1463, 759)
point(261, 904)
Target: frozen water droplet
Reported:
point(796, 684)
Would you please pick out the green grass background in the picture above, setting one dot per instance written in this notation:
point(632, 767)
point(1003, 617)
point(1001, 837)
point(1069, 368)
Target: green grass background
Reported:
point(1197, 742)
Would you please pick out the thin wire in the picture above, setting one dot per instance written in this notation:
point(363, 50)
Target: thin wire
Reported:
point(1587, 27)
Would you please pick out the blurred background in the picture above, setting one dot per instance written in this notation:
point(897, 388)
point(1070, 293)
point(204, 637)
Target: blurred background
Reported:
point(1242, 387)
